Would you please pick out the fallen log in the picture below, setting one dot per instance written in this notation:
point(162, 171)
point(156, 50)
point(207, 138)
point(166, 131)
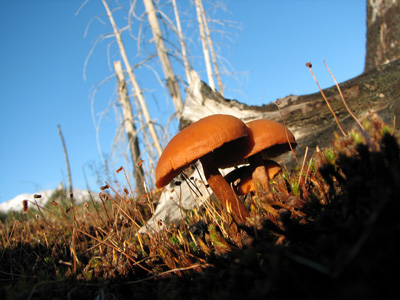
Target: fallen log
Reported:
point(307, 117)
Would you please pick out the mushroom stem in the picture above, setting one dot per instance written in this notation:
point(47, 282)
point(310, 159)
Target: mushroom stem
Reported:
point(222, 189)
point(259, 173)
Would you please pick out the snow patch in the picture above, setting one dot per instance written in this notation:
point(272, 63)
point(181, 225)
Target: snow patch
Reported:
point(15, 204)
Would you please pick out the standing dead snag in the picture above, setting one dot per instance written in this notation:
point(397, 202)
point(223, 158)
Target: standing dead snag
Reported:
point(172, 83)
point(130, 128)
point(206, 53)
point(224, 134)
point(182, 42)
point(204, 23)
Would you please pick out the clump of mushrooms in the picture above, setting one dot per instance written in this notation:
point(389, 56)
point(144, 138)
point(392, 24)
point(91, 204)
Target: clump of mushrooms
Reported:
point(269, 139)
point(241, 178)
point(199, 140)
point(219, 141)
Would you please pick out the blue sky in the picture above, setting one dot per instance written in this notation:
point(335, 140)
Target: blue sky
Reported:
point(45, 44)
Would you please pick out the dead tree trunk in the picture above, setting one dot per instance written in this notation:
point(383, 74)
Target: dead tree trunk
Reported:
point(172, 83)
point(130, 128)
point(383, 32)
point(203, 38)
point(182, 42)
point(211, 46)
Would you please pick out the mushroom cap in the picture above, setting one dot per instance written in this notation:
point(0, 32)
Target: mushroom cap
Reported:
point(197, 140)
point(270, 137)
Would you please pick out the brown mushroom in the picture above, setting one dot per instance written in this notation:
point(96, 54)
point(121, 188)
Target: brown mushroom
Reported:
point(198, 141)
point(269, 139)
point(241, 178)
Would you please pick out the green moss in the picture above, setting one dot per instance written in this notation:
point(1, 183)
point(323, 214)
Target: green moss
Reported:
point(330, 156)
point(357, 137)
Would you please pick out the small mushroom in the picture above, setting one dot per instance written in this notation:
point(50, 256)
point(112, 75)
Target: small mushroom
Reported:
point(241, 178)
point(270, 139)
point(198, 141)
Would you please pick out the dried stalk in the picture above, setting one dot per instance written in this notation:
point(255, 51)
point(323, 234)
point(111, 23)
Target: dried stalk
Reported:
point(66, 159)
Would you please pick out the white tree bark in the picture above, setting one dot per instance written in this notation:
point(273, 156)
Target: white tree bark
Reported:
point(130, 128)
point(182, 42)
point(203, 38)
point(210, 44)
point(172, 83)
